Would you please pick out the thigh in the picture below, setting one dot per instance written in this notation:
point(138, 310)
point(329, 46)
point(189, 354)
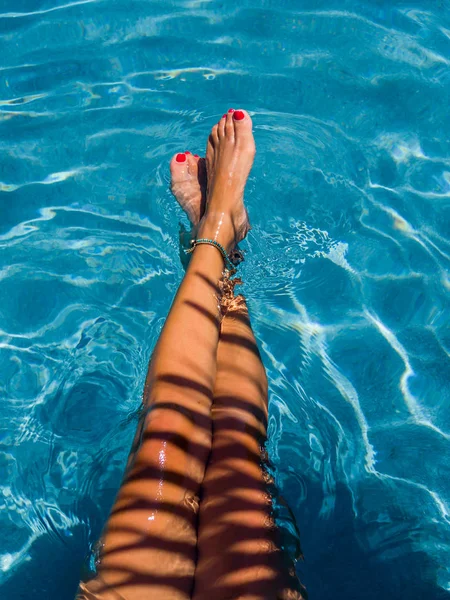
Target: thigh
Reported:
point(239, 556)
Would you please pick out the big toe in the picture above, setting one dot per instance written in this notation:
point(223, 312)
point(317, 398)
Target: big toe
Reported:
point(180, 167)
point(243, 125)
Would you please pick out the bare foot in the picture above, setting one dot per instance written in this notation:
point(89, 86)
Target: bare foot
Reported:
point(229, 159)
point(188, 184)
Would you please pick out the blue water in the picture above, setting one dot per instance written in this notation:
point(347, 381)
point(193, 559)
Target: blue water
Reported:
point(347, 272)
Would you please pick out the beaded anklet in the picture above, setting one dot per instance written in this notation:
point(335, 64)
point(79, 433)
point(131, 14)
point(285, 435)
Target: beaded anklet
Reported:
point(194, 243)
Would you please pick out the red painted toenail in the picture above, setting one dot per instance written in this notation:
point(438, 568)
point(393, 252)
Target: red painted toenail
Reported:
point(196, 156)
point(238, 115)
point(231, 110)
point(187, 152)
point(181, 157)
point(224, 116)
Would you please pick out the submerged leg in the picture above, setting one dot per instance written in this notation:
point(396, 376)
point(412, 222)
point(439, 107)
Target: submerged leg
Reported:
point(149, 543)
point(239, 555)
point(148, 546)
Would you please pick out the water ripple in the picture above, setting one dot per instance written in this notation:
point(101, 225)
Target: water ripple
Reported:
point(347, 267)
point(46, 11)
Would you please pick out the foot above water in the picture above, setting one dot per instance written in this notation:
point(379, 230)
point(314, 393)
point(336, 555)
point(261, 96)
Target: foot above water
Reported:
point(229, 158)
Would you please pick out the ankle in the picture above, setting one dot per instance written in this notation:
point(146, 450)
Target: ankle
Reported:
point(218, 226)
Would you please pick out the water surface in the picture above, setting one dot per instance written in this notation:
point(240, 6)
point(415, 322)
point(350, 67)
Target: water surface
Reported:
point(347, 272)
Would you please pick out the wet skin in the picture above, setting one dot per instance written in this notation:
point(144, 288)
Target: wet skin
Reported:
point(204, 419)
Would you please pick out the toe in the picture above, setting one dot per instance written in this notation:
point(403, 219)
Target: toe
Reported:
point(229, 126)
point(214, 137)
point(209, 151)
point(201, 172)
point(243, 127)
point(192, 165)
point(201, 168)
point(242, 120)
point(209, 160)
point(178, 166)
point(221, 127)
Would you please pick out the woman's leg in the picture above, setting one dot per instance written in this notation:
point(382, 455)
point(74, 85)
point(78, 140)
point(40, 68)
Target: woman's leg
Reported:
point(239, 556)
point(148, 546)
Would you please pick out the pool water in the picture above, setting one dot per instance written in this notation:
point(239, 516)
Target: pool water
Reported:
point(347, 269)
